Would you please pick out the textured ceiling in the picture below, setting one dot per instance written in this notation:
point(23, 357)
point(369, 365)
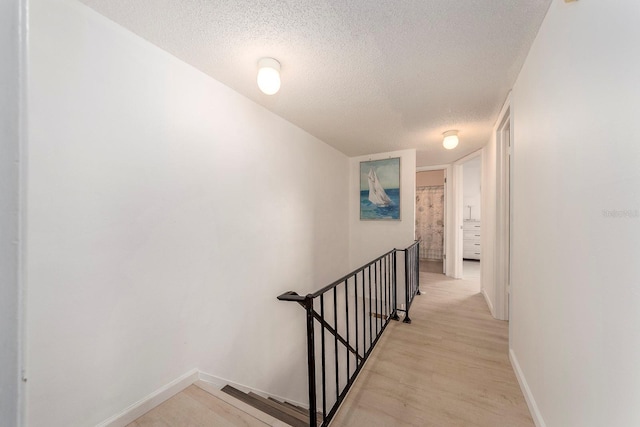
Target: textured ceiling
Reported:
point(364, 76)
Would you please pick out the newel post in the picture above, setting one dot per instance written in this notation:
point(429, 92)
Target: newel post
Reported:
point(417, 257)
point(407, 285)
point(311, 361)
point(394, 315)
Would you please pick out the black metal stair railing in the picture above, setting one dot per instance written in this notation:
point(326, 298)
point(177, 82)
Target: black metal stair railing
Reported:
point(344, 322)
point(412, 276)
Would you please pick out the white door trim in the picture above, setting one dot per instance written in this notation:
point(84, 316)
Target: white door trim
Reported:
point(504, 142)
point(449, 219)
point(459, 210)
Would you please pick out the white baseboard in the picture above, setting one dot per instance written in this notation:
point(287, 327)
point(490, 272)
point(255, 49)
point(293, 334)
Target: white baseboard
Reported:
point(167, 391)
point(149, 402)
point(486, 298)
point(221, 382)
point(531, 402)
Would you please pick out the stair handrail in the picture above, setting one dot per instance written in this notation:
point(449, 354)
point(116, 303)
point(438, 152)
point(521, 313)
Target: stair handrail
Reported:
point(383, 284)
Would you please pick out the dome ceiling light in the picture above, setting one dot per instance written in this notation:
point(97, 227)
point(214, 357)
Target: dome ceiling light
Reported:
point(269, 75)
point(450, 140)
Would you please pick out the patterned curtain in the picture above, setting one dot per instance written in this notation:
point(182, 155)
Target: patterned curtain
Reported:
point(430, 221)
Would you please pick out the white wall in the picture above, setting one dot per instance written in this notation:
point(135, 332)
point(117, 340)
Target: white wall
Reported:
point(370, 239)
point(575, 320)
point(11, 42)
point(166, 213)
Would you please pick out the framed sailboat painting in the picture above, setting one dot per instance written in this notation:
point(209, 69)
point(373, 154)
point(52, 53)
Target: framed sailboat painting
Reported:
point(380, 189)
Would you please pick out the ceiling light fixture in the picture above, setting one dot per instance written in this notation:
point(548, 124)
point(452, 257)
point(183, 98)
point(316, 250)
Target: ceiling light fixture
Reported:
point(450, 140)
point(269, 75)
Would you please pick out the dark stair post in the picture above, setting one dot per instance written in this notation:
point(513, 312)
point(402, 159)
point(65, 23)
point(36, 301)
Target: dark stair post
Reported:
point(418, 269)
point(311, 362)
point(394, 314)
point(407, 284)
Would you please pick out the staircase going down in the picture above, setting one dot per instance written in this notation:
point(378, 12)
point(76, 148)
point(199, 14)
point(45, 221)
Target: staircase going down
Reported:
point(286, 412)
point(204, 404)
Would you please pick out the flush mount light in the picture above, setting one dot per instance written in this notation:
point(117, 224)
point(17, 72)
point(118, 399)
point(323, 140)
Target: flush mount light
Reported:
point(450, 140)
point(269, 75)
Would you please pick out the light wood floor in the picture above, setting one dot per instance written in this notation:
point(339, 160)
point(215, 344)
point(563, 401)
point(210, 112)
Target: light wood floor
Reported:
point(450, 367)
point(202, 405)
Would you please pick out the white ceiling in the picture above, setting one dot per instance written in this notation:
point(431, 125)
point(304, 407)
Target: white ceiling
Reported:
point(365, 76)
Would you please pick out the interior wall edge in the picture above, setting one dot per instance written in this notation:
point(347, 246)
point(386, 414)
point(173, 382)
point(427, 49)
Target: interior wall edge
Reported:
point(526, 391)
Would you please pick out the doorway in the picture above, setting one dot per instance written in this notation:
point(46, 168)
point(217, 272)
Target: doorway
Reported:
point(503, 217)
point(430, 219)
point(471, 216)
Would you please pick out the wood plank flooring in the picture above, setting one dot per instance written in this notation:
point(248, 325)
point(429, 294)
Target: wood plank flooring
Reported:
point(449, 367)
point(195, 407)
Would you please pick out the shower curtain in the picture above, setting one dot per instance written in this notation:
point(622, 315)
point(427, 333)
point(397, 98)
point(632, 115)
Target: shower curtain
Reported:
point(430, 221)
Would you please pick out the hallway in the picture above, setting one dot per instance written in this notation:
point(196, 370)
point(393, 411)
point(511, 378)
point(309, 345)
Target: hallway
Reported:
point(448, 368)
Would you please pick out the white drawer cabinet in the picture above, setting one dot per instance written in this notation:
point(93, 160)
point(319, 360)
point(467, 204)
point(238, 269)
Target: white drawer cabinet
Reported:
point(471, 237)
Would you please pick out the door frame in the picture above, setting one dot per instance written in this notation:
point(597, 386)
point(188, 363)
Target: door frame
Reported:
point(449, 256)
point(504, 211)
point(459, 209)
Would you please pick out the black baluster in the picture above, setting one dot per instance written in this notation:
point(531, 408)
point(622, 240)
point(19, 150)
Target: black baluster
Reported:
point(382, 292)
point(383, 289)
point(335, 327)
point(311, 362)
point(375, 283)
point(364, 317)
point(355, 316)
point(324, 367)
point(389, 299)
point(418, 268)
point(386, 286)
point(346, 300)
point(370, 313)
point(379, 290)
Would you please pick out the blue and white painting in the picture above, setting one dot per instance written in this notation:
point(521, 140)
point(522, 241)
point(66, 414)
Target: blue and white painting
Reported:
point(380, 189)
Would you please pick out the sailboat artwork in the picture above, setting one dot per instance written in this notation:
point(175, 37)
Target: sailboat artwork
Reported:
point(380, 189)
point(377, 195)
